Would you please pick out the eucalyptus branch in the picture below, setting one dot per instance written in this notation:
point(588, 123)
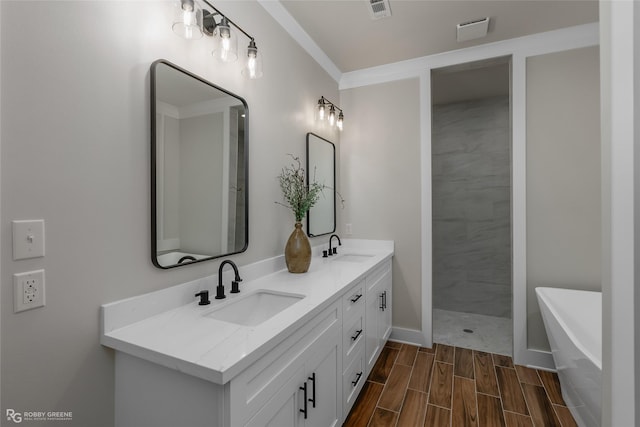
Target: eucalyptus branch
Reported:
point(296, 194)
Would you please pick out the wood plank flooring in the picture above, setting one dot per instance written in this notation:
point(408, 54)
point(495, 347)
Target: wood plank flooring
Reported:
point(452, 386)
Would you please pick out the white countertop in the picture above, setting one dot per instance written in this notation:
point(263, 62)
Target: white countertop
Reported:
point(169, 328)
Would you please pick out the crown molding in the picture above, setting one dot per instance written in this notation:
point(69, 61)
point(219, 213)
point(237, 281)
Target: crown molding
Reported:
point(291, 26)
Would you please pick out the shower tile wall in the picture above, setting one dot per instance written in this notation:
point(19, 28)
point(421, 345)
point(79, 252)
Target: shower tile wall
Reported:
point(471, 170)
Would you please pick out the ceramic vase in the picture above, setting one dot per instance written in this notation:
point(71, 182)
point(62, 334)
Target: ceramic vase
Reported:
point(297, 253)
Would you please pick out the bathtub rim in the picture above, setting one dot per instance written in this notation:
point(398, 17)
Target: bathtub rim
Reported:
point(543, 293)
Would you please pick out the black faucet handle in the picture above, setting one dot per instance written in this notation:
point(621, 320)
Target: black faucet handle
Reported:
point(335, 251)
point(234, 287)
point(324, 254)
point(204, 298)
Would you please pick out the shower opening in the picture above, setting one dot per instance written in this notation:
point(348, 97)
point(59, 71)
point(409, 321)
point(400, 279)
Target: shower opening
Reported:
point(471, 202)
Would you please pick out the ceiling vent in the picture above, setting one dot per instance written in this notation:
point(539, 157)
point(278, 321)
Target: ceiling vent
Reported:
point(473, 29)
point(379, 9)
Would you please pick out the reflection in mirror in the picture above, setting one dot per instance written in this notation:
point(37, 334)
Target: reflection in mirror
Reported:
point(199, 175)
point(321, 168)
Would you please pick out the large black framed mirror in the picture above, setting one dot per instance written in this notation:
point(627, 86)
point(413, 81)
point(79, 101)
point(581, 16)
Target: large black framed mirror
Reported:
point(199, 168)
point(321, 168)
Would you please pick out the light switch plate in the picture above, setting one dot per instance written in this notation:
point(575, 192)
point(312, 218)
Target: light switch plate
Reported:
point(28, 239)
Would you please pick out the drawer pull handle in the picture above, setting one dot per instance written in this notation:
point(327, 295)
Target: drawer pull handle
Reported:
point(355, 337)
point(304, 411)
point(312, 378)
point(358, 376)
point(383, 301)
point(356, 298)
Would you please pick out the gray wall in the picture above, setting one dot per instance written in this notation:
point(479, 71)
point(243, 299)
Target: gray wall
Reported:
point(380, 180)
point(563, 178)
point(75, 113)
point(471, 185)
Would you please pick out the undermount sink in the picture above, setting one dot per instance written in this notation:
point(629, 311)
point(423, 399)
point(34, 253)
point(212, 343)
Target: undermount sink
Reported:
point(353, 257)
point(255, 308)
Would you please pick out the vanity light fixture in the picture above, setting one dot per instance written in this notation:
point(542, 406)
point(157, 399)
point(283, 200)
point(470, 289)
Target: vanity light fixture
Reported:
point(323, 103)
point(192, 21)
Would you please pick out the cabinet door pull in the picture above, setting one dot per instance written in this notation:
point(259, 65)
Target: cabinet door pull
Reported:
point(356, 298)
point(358, 376)
point(312, 378)
point(304, 411)
point(355, 337)
point(382, 301)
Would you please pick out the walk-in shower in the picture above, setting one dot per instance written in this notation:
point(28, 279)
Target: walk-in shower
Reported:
point(471, 199)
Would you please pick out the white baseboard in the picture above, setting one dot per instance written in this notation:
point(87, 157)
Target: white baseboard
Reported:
point(536, 359)
point(407, 336)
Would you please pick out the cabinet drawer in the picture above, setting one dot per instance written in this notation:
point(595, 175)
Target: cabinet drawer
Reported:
point(352, 335)
point(353, 380)
point(353, 301)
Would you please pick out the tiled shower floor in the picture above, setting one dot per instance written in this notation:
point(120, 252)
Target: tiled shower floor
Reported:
point(490, 334)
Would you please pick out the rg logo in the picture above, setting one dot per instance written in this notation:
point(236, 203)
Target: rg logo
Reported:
point(14, 416)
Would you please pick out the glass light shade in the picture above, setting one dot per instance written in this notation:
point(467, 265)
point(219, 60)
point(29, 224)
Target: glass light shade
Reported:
point(226, 42)
point(321, 109)
point(187, 20)
point(340, 121)
point(332, 115)
point(253, 66)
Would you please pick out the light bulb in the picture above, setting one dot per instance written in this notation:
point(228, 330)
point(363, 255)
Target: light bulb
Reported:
point(253, 66)
point(186, 21)
point(340, 121)
point(321, 109)
point(332, 115)
point(226, 48)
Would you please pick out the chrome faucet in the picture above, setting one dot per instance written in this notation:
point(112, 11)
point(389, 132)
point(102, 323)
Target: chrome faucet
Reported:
point(234, 284)
point(334, 251)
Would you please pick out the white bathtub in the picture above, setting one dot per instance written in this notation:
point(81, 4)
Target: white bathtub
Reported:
point(573, 321)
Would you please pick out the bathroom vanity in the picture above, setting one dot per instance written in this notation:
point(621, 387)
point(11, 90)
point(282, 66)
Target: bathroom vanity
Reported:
point(288, 350)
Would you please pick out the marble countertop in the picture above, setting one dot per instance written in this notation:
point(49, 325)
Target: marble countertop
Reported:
point(169, 328)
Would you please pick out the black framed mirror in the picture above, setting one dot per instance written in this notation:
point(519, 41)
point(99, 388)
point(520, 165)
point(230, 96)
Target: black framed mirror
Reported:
point(321, 168)
point(199, 168)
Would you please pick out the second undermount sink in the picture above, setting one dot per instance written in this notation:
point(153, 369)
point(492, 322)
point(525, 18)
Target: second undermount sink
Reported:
point(254, 308)
point(353, 257)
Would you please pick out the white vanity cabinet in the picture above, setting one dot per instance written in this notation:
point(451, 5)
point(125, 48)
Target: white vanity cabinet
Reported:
point(378, 312)
point(175, 365)
point(268, 392)
point(296, 384)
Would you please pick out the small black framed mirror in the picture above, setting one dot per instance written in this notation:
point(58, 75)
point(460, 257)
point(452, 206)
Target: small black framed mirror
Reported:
point(199, 168)
point(321, 168)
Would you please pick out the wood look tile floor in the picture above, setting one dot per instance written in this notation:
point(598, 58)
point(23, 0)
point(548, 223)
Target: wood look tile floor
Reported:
point(454, 386)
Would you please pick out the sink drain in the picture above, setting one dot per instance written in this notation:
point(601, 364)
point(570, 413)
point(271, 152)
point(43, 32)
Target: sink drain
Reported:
point(469, 331)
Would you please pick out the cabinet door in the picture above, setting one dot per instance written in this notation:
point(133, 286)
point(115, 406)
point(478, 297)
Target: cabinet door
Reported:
point(324, 388)
point(283, 409)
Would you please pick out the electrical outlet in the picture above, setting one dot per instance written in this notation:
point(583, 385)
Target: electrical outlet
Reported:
point(28, 290)
point(347, 229)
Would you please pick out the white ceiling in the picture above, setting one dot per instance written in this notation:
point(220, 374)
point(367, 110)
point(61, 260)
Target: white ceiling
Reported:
point(345, 32)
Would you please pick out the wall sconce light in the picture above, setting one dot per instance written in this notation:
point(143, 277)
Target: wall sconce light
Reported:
point(323, 104)
point(192, 22)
